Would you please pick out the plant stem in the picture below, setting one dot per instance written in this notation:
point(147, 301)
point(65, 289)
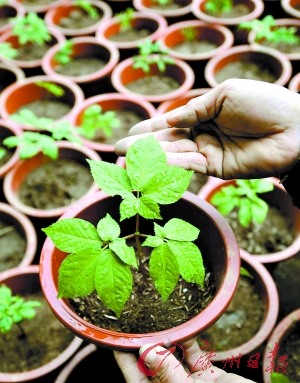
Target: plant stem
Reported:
point(137, 236)
point(6, 230)
point(22, 335)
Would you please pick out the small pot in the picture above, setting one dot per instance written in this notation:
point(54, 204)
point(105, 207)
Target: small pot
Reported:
point(9, 74)
point(283, 329)
point(54, 15)
point(279, 65)
point(26, 280)
point(24, 225)
point(291, 7)
point(21, 93)
point(218, 247)
point(294, 84)
point(6, 130)
point(11, 10)
point(40, 8)
point(147, 6)
point(277, 198)
point(14, 178)
point(124, 73)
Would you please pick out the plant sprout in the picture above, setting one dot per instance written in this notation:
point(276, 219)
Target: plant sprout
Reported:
point(245, 272)
point(2, 153)
point(14, 309)
point(244, 197)
point(100, 257)
point(190, 33)
point(52, 88)
point(88, 8)
point(216, 7)
point(7, 50)
point(163, 2)
point(125, 19)
point(64, 55)
point(277, 377)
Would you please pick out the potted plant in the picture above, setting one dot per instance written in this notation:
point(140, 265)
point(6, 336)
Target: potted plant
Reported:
point(127, 29)
point(47, 96)
point(79, 17)
point(9, 74)
point(291, 7)
point(249, 204)
point(25, 287)
point(30, 37)
point(244, 61)
point(18, 238)
point(39, 6)
point(153, 75)
point(8, 11)
point(280, 356)
point(171, 9)
point(142, 169)
point(84, 60)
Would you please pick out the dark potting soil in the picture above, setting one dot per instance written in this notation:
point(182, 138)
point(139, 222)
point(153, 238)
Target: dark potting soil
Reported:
point(153, 85)
point(55, 184)
point(197, 182)
point(78, 19)
point(7, 156)
point(36, 2)
point(194, 47)
point(81, 66)
point(12, 245)
point(31, 52)
point(168, 7)
point(48, 108)
point(130, 35)
point(244, 70)
point(45, 339)
point(144, 311)
point(241, 321)
point(274, 234)
point(3, 21)
point(238, 10)
point(290, 348)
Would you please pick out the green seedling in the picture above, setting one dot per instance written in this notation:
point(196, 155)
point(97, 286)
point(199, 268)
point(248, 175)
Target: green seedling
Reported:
point(7, 51)
point(245, 272)
point(94, 119)
point(3, 2)
point(151, 53)
point(64, 55)
point(244, 197)
point(125, 19)
point(216, 7)
point(88, 8)
point(14, 309)
point(277, 377)
point(163, 3)
point(52, 88)
point(100, 257)
point(268, 30)
point(190, 33)
point(30, 29)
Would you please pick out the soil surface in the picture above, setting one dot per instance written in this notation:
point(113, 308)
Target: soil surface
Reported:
point(31, 52)
point(274, 234)
point(245, 70)
point(290, 347)
point(55, 184)
point(48, 108)
point(238, 10)
point(28, 3)
point(4, 21)
point(153, 85)
point(167, 7)
point(283, 47)
point(197, 182)
point(241, 321)
point(79, 19)
point(7, 156)
point(12, 245)
point(144, 311)
point(194, 47)
point(130, 35)
point(45, 339)
point(81, 66)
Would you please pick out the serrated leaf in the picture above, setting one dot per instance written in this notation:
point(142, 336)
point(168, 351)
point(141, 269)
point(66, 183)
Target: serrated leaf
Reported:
point(108, 229)
point(159, 230)
point(111, 178)
point(129, 207)
point(180, 230)
point(169, 184)
point(143, 160)
point(245, 212)
point(73, 234)
point(152, 241)
point(148, 208)
point(259, 210)
point(124, 252)
point(164, 270)
point(190, 261)
point(76, 275)
point(113, 281)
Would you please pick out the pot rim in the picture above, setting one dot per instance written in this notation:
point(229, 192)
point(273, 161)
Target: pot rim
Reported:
point(7, 125)
point(287, 7)
point(138, 4)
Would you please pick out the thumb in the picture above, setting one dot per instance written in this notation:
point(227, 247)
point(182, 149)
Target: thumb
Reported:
point(162, 364)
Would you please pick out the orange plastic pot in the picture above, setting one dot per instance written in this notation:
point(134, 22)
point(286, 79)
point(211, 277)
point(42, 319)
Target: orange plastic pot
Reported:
point(149, 6)
point(294, 84)
point(9, 11)
point(291, 7)
point(40, 8)
point(9, 74)
point(6, 130)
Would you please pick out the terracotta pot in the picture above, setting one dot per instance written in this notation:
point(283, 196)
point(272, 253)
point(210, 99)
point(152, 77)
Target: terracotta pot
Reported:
point(215, 34)
point(85, 46)
point(124, 73)
point(147, 6)
point(155, 23)
point(218, 248)
point(277, 63)
point(8, 11)
point(256, 8)
point(294, 84)
point(6, 130)
point(291, 7)
point(30, 67)
point(40, 8)
point(269, 294)
point(26, 280)
point(54, 16)
point(111, 101)
point(11, 216)
point(14, 178)
point(167, 106)
point(283, 329)
point(282, 23)
point(277, 198)
point(21, 93)
point(9, 74)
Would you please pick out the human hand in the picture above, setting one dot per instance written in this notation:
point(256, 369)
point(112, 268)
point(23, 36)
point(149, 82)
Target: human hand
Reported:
point(171, 370)
point(239, 129)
